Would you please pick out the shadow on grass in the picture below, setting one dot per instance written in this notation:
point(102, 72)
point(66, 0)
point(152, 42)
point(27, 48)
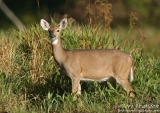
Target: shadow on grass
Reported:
point(59, 84)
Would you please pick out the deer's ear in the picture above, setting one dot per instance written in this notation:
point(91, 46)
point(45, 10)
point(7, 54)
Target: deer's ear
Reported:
point(44, 24)
point(63, 24)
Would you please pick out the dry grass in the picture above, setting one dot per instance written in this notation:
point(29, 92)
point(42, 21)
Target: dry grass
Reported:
point(7, 52)
point(100, 13)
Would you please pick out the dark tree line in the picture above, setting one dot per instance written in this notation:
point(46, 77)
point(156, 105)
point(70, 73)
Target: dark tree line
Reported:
point(29, 11)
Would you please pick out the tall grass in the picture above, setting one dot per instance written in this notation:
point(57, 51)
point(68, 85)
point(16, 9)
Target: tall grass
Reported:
point(30, 80)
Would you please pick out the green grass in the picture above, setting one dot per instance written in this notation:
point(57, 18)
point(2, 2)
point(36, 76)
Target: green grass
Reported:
point(30, 81)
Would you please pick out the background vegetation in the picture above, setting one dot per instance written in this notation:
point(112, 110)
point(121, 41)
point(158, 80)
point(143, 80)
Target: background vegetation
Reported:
point(116, 13)
point(30, 11)
point(31, 82)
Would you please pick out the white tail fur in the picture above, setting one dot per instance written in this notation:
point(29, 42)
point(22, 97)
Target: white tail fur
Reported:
point(90, 65)
point(131, 75)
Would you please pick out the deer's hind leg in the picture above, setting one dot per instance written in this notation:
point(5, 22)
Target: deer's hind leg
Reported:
point(126, 85)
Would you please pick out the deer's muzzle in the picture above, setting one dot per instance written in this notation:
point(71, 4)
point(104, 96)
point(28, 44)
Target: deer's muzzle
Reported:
point(51, 34)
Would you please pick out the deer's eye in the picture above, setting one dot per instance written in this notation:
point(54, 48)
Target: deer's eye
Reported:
point(58, 30)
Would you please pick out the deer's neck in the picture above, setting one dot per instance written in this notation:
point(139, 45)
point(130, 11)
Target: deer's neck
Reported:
point(59, 53)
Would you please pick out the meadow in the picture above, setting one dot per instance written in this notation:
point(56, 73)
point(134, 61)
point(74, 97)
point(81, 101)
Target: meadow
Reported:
point(31, 82)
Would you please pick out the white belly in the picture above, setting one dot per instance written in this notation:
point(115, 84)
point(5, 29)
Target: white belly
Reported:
point(99, 80)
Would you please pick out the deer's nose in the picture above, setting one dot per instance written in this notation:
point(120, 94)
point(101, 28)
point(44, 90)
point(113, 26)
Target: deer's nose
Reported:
point(51, 34)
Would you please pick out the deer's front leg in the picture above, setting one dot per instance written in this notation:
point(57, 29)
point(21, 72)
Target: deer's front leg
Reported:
point(76, 87)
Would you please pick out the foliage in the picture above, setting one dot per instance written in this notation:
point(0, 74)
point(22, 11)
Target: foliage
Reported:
point(100, 12)
point(31, 82)
point(32, 10)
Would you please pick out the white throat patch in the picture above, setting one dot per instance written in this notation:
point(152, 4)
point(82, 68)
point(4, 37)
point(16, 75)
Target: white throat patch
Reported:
point(55, 42)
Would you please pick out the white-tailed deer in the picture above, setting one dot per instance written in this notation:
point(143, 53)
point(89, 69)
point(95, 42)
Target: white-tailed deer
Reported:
point(90, 64)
